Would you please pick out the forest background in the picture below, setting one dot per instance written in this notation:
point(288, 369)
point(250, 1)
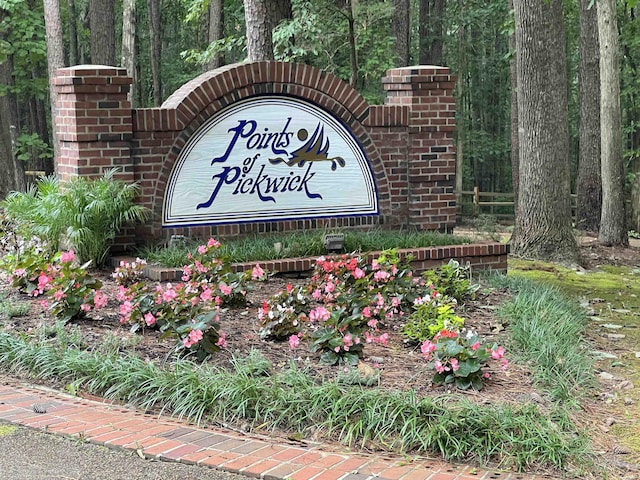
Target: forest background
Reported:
point(165, 43)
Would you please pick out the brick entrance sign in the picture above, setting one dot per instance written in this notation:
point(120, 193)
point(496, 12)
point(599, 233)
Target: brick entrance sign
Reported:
point(269, 146)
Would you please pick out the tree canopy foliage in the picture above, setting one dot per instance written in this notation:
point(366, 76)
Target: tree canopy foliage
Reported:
point(354, 39)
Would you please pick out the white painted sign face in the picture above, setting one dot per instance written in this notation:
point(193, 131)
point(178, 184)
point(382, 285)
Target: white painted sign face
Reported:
point(266, 159)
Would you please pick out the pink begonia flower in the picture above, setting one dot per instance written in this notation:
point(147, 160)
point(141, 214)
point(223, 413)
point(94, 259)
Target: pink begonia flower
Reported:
point(373, 323)
point(475, 346)
point(289, 288)
point(317, 294)
point(366, 312)
point(348, 341)
point(257, 273)
point(381, 275)
point(149, 319)
point(121, 294)
point(85, 307)
point(59, 295)
point(380, 300)
point(67, 256)
point(368, 337)
point(213, 243)
point(504, 364)
point(427, 348)
point(19, 272)
point(194, 337)
point(206, 295)
point(200, 267)
point(358, 273)
point(44, 304)
point(498, 353)
point(169, 294)
point(329, 287)
point(202, 249)
point(126, 308)
point(487, 375)
point(100, 300)
point(319, 314)
point(294, 341)
point(225, 289)
point(222, 340)
point(454, 364)
point(438, 366)
point(374, 265)
point(43, 281)
point(384, 339)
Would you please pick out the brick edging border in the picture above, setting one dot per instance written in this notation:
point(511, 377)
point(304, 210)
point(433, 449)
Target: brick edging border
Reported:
point(479, 256)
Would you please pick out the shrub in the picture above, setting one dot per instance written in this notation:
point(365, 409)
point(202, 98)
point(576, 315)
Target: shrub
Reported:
point(85, 214)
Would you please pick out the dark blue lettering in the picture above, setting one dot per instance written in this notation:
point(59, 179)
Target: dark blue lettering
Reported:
point(240, 133)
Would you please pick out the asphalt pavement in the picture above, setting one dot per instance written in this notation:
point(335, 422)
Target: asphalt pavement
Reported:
point(27, 454)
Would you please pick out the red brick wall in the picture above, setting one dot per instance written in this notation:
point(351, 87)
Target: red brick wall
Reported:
point(409, 140)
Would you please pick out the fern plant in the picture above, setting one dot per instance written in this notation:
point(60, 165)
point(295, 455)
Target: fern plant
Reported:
point(84, 214)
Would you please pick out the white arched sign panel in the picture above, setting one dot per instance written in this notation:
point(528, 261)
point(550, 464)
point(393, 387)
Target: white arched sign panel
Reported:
point(269, 158)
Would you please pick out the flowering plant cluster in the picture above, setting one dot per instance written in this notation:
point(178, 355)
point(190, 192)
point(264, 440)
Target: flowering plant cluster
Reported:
point(128, 273)
point(284, 314)
point(432, 313)
point(70, 289)
point(188, 310)
point(209, 267)
point(359, 300)
point(459, 357)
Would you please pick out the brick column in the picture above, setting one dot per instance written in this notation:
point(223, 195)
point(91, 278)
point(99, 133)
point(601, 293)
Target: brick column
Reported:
point(428, 92)
point(94, 123)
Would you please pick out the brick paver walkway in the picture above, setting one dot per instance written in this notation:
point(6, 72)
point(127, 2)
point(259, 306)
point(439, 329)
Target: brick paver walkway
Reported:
point(169, 439)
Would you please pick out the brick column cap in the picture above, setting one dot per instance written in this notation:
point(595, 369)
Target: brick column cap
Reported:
point(419, 74)
point(91, 75)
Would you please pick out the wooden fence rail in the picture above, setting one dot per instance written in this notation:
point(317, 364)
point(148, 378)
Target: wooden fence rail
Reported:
point(472, 203)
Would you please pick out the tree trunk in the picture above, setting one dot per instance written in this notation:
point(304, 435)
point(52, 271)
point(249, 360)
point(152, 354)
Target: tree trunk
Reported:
point(281, 10)
point(12, 177)
point(103, 32)
point(589, 185)
point(430, 31)
point(613, 229)
point(55, 58)
point(129, 43)
point(216, 30)
point(154, 33)
point(353, 48)
point(401, 31)
point(259, 22)
point(73, 34)
point(515, 134)
point(543, 225)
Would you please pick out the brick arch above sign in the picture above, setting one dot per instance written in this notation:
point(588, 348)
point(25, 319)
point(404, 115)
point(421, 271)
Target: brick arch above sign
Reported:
point(201, 99)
